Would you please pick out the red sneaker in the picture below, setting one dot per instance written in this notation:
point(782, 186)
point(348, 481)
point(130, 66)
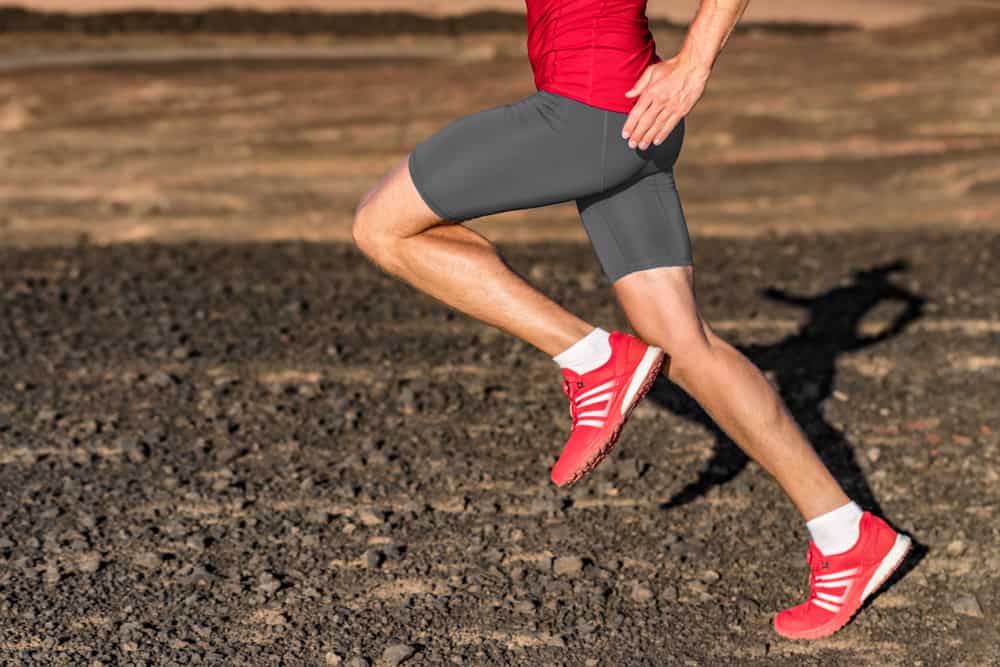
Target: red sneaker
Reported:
point(841, 583)
point(600, 401)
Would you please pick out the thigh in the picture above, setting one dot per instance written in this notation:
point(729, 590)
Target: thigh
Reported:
point(541, 150)
point(637, 225)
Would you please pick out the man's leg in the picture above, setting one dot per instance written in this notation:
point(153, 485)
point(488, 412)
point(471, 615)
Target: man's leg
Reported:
point(660, 305)
point(457, 266)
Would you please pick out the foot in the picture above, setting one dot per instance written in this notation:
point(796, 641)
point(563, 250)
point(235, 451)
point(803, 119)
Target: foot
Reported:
point(841, 583)
point(600, 401)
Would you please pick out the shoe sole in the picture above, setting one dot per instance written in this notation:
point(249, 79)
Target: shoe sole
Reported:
point(889, 564)
point(652, 361)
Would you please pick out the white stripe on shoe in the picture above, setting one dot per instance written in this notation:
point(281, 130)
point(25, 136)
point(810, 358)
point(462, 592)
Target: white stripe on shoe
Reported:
point(888, 564)
point(826, 605)
point(639, 376)
point(595, 399)
point(596, 390)
point(833, 598)
point(843, 574)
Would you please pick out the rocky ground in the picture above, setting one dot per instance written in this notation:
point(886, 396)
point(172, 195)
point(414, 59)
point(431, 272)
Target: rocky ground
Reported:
point(225, 452)
point(273, 454)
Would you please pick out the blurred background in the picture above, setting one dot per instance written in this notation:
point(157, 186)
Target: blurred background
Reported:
point(226, 438)
point(271, 120)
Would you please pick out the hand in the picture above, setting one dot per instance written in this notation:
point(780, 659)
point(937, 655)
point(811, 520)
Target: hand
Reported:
point(667, 91)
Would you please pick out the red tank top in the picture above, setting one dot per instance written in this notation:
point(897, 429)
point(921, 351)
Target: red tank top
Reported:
point(590, 50)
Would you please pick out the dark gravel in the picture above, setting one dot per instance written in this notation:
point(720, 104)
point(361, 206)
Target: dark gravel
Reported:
point(275, 455)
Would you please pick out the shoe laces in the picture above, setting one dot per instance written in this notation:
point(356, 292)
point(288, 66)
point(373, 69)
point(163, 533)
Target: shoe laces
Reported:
point(571, 389)
point(816, 566)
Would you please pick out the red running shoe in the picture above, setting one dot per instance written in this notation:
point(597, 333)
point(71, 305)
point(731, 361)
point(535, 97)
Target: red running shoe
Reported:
point(841, 583)
point(600, 401)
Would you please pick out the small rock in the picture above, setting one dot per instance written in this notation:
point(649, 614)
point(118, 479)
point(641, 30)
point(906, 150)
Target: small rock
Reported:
point(397, 654)
point(567, 566)
point(373, 559)
point(955, 548)
point(968, 605)
point(370, 517)
point(358, 662)
point(51, 574)
point(135, 451)
point(333, 659)
point(89, 563)
point(160, 379)
point(668, 593)
point(278, 618)
point(525, 606)
point(318, 517)
point(641, 593)
point(149, 560)
point(710, 577)
point(268, 583)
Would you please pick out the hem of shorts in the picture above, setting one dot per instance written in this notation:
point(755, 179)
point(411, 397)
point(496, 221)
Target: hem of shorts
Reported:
point(431, 204)
point(555, 90)
point(653, 264)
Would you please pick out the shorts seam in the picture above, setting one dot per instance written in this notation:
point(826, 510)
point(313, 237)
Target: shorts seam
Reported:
point(431, 204)
point(614, 237)
point(663, 207)
point(604, 153)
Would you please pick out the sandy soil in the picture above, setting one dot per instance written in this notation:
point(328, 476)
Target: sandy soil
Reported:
point(863, 12)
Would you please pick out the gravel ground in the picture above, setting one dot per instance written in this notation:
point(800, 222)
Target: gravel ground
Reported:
point(254, 454)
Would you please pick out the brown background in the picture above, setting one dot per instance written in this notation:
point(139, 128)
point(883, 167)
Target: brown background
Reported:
point(865, 12)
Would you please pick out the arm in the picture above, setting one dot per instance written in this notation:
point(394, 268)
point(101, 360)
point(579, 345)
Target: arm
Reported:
point(668, 90)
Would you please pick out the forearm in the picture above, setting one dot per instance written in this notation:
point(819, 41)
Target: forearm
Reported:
point(710, 30)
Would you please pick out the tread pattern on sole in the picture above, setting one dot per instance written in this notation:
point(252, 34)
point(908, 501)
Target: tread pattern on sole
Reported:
point(602, 452)
point(827, 630)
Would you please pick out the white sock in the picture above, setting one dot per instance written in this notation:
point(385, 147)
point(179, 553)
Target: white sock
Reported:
point(836, 531)
point(590, 352)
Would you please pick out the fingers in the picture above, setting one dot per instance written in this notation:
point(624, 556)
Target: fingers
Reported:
point(642, 125)
point(641, 84)
point(653, 130)
point(635, 116)
point(666, 129)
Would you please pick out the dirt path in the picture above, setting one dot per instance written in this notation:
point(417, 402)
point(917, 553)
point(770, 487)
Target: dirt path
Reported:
point(273, 454)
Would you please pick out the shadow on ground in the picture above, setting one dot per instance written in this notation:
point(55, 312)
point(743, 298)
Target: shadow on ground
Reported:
point(804, 367)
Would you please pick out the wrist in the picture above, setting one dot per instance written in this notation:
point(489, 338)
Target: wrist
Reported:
point(695, 62)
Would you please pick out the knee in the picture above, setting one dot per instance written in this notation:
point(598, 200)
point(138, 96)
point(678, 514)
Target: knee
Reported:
point(689, 348)
point(368, 236)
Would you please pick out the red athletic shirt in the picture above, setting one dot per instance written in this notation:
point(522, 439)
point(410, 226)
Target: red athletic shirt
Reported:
point(590, 50)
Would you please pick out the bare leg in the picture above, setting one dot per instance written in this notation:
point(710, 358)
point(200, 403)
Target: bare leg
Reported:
point(660, 304)
point(457, 266)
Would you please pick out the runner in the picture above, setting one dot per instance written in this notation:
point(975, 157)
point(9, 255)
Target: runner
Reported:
point(605, 129)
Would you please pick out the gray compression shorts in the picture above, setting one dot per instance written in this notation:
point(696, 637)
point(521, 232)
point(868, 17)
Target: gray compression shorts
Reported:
point(547, 149)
